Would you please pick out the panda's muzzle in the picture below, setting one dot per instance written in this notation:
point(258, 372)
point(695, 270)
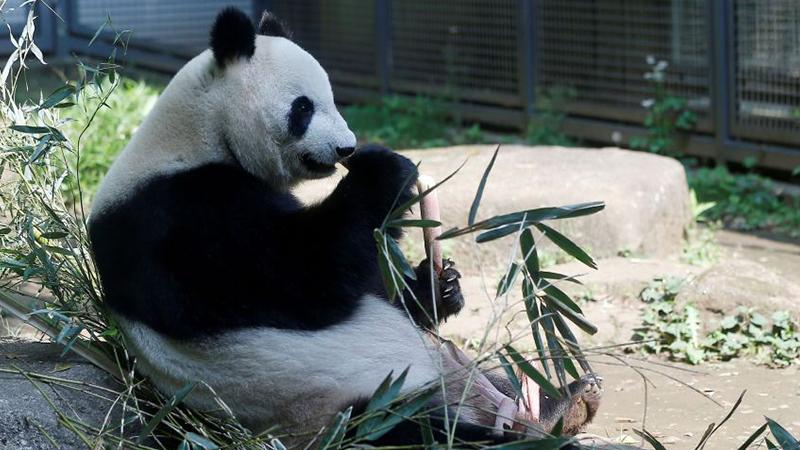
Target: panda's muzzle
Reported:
point(316, 166)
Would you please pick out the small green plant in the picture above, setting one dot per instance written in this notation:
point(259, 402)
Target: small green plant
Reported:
point(667, 329)
point(112, 127)
point(675, 331)
point(668, 116)
point(700, 246)
point(775, 342)
point(745, 202)
point(546, 126)
point(410, 122)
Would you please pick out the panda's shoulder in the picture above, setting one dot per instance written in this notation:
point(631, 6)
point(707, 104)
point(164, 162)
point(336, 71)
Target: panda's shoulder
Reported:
point(211, 195)
point(205, 188)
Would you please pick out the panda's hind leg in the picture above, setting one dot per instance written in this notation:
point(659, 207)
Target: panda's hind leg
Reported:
point(577, 407)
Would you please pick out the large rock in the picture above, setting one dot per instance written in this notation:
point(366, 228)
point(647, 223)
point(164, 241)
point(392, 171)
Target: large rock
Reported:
point(25, 414)
point(720, 290)
point(646, 195)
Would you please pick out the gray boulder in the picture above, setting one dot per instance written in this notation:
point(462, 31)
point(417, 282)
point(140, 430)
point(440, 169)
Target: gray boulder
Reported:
point(27, 420)
point(721, 289)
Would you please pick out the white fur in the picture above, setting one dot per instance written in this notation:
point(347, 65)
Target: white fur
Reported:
point(246, 103)
point(268, 376)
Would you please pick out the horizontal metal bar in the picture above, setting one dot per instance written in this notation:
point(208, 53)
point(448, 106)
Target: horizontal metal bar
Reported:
point(768, 156)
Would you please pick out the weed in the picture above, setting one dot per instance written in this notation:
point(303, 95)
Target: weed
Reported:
point(700, 247)
point(745, 202)
point(410, 122)
point(546, 126)
point(775, 342)
point(675, 331)
point(668, 116)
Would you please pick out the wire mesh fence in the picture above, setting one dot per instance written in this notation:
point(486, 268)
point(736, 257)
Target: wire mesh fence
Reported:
point(767, 70)
point(600, 49)
point(492, 57)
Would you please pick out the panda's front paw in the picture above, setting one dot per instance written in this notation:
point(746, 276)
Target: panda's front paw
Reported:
point(383, 175)
point(451, 299)
point(431, 308)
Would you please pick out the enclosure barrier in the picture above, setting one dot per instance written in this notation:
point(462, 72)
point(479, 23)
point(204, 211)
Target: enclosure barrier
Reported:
point(736, 62)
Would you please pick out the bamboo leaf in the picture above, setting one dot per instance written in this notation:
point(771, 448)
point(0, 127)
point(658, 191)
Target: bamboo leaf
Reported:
point(384, 395)
point(512, 377)
point(558, 428)
point(404, 412)
point(399, 259)
point(528, 247)
point(567, 245)
point(532, 310)
point(532, 373)
point(497, 233)
point(57, 96)
point(473, 210)
point(753, 437)
point(400, 210)
point(200, 441)
point(559, 276)
point(572, 343)
point(785, 440)
point(575, 317)
point(508, 279)
point(570, 368)
point(389, 281)
point(333, 438)
point(556, 352)
point(166, 409)
point(562, 297)
point(650, 439)
point(427, 434)
point(417, 223)
point(30, 129)
point(529, 217)
point(705, 438)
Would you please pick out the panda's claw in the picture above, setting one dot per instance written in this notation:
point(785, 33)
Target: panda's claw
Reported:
point(451, 301)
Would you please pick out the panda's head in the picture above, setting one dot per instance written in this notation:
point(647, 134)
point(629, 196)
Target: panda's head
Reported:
point(278, 117)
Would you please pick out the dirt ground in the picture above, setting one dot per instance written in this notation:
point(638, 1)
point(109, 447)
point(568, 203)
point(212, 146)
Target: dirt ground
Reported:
point(678, 415)
point(680, 400)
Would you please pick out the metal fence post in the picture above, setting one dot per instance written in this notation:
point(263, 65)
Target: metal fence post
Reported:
point(62, 43)
point(527, 57)
point(383, 35)
point(722, 67)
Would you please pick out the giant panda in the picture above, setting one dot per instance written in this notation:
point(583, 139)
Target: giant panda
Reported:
point(216, 273)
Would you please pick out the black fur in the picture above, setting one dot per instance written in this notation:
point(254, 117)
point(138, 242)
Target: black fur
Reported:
point(233, 36)
point(272, 26)
point(214, 248)
point(448, 299)
point(300, 114)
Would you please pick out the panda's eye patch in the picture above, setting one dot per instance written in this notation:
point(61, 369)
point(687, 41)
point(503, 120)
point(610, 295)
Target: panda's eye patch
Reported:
point(300, 115)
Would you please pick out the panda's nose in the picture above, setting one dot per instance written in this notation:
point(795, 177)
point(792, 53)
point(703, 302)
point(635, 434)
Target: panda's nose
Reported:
point(344, 152)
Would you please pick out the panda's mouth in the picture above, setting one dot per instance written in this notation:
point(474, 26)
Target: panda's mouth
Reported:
point(315, 166)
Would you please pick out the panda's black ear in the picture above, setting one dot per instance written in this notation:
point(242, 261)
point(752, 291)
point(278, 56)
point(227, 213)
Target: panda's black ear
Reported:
point(232, 36)
point(272, 26)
